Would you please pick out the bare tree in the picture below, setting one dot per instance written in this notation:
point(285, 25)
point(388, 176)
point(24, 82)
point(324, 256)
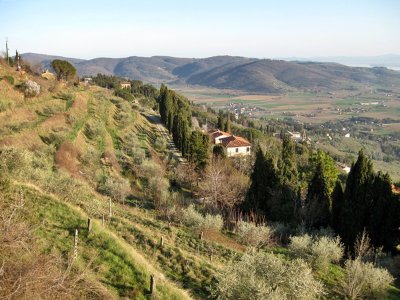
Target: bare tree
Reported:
point(223, 186)
point(362, 246)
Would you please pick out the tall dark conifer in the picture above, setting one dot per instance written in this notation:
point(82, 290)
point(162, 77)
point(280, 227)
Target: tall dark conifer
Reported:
point(287, 165)
point(221, 121)
point(257, 187)
point(337, 206)
point(384, 214)
point(357, 199)
point(318, 200)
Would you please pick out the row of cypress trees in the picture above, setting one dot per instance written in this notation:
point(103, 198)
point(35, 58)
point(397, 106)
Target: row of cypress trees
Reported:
point(273, 189)
point(367, 201)
point(176, 115)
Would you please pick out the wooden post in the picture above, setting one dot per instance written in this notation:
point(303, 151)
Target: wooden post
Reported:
point(152, 284)
point(162, 241)
point(76, 244)
point(89, 224)
point(201, 235)
point(102, 221)
point(211, 254)
point(109, 209)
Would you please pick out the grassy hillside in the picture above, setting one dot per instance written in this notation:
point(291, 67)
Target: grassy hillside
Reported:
point(65, 155)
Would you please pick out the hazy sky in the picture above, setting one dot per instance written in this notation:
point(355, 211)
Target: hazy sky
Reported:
point(280, 28)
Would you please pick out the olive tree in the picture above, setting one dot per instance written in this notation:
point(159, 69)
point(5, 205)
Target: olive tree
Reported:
point(64, 70)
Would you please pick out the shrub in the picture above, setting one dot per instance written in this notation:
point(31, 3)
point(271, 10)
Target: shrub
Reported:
point(253, 235)
point(52, 139)
point(320, 251)
point(138, 155)
point(158, 190)
point(10, 79)
point(363, 280)
point(150, 169)
point(326, 250)
point(123, 93)
point(31, 88)
point(212, 222)
point(192, 218)
point(14, 161)
point(115, 187)
point(160, 143)
point(265, 276)
point(49, 110)
point(93, 130)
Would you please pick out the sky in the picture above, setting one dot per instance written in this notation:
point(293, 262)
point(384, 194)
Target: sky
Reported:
point(262, 29)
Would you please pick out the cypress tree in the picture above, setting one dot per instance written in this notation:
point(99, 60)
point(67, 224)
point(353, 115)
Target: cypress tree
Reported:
point(257, 188)
point(228, 123)
point(318, 200)
point(286, 205)
point(287, 165)
point(264, 183)
point(337, 206)
point(383, 219)
point(356, 199)
point(271, 185)
point(220, 122)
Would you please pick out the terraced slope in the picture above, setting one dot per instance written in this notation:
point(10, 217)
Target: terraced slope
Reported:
point(56, 148)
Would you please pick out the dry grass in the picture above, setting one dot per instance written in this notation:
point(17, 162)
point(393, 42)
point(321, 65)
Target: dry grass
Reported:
point(55, 122)
point(219, 238)
point(18, 115)
point(24, 140)
point(67, 158)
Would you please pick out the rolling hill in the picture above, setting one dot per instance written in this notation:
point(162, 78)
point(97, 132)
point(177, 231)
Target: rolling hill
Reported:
point(231, 72)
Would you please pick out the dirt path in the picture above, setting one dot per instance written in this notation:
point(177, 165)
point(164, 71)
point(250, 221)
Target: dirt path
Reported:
point(155, 119)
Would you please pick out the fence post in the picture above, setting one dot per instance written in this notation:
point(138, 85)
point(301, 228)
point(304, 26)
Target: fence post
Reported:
point(89, 224)
point(162, 241)
point(152, 284)
point(76, 244)
point(201, 235)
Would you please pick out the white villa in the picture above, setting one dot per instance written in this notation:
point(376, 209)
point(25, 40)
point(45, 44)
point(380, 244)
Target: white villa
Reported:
point(234, 145)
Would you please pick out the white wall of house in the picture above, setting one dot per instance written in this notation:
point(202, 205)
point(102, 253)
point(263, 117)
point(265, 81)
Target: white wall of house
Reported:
point(218, 139)
point(233, 151)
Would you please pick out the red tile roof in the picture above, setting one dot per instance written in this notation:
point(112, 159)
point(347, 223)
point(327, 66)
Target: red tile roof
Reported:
point(395, 190)
point(234, 141)
point(218, 133)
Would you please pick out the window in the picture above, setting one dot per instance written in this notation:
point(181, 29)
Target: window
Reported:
point(237, 150)
point(248, 149)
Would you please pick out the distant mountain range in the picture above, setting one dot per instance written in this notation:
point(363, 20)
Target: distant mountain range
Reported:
point(390, 61)
point(231, 72)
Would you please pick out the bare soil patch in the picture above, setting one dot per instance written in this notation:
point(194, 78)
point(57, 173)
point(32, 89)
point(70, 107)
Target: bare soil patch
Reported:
point(67, 158)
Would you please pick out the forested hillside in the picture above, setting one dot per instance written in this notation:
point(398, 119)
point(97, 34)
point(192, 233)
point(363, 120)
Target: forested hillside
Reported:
point(97, 203)
point(231, 72)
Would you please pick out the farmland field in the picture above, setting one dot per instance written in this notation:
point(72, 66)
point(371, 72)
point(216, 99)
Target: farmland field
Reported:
point(306, 107)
